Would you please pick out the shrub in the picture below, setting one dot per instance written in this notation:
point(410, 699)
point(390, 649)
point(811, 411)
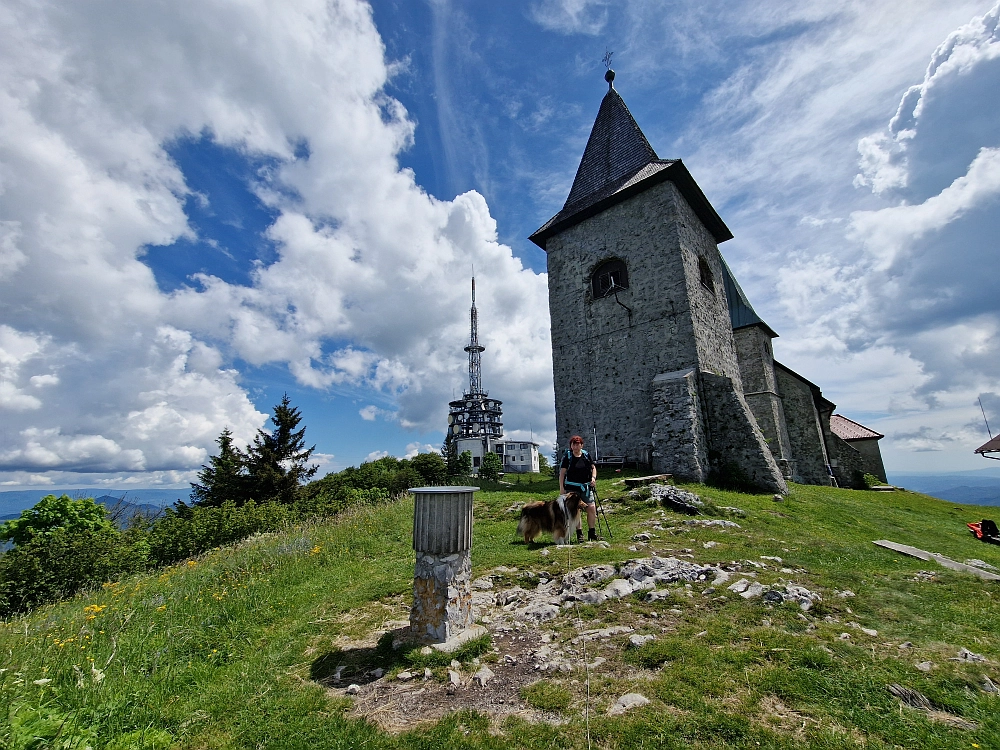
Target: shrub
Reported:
point(431, 466)
point(51, 514)
point(61, 563)
point(871, 480)
point(331, 501)
point(186, 530)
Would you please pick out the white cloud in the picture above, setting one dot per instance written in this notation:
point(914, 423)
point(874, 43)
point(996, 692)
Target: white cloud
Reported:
point(571, 16)
point(375, 456)
point(368, 287)
point(412, 449)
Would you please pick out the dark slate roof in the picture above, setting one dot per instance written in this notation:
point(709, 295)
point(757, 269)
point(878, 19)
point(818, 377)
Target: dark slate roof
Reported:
point(848, 429)
point(741, 313)
point(619, 163)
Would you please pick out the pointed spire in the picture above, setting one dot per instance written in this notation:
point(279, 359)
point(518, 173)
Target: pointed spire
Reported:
point(616, 150)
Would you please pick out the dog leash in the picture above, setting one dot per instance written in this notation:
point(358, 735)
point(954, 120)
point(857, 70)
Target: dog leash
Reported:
point(583, 643)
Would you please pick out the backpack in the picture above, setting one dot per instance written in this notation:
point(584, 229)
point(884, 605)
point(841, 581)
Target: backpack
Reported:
point(568, 456)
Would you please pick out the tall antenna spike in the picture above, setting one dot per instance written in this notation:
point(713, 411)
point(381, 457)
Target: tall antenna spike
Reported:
point(984, 417)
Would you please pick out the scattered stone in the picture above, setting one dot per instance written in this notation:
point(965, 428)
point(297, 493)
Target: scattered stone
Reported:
point(353, 689)
point(509, 660)
point(456, 665)
point(989, 686)
point(641, 640)
point(626, 703)
point(778, 498)
point(765, 622)
point(544, 552)
point(702, 634)
point(740, 586)
point(633, 548)
point(377, 673)
point(511, 596)
point(539, 612)
point(602, 633)
point(716, 522)
point(709, 545)
point(844, 636)
point(772, 558)
point(590, 574)
point(618, 588)
point(675, 611)
point(643, 537)
point(773, 597)
point(754, 590)
point(404, 676)
point(484, 675)
point(454, 678)
point(428, 674)
point(976, 563)
point(910, 697)
point(483, 584)
point(426, 651)
point(504, 570)
point(966, 655)
point(845, 594)
point(905, 645)
point(925, 666)
point(676, 498)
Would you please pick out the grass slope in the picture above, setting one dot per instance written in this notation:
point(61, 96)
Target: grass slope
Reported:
point(225, 651)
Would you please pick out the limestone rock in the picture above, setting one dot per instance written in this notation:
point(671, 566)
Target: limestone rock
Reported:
point(753, 591)
point(925, 666)
point(484, 675)
point(641, 640)
point(966, 655)
point(618, 588)
point(353, 689)
point(454, 678)
point(740, 586)
point(404, 676)
point(626, 703)
point(539, 612)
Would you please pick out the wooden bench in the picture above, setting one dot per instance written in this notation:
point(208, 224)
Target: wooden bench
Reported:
point(611, 462)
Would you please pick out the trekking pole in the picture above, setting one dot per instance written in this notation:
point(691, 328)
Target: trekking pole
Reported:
point(600, 512)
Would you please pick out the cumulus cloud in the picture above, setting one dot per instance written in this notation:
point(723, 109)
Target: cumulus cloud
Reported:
point(103, 371)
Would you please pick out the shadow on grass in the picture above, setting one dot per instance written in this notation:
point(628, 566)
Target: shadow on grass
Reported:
point(360, 666)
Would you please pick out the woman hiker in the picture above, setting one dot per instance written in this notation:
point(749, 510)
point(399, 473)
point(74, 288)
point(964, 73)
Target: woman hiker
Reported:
point(579, 472)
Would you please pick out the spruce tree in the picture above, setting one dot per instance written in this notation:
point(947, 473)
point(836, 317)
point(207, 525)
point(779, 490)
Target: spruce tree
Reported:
point(277, 462)
point(225, 476)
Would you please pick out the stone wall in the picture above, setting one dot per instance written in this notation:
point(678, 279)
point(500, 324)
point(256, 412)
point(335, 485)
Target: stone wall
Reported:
point(871, 455)
point(849, 465)
point(760, 389)
point(680, 445)
point(606, 356)
point(805, 433)
point(735, 441)
point(442, 595)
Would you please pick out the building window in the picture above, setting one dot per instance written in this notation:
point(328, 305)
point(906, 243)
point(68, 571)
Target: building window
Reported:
point(706, 275)
point(609, 276)
point(475, 461)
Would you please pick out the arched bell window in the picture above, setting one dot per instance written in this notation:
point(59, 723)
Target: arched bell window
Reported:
point(609, 277)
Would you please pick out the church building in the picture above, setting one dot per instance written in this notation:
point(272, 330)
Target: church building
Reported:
point(656, 351)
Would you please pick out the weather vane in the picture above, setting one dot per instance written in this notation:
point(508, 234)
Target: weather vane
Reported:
point(610, 75)
point(607, 58)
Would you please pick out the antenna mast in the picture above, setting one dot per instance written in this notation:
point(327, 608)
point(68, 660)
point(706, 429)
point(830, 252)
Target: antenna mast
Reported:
point(475, 350)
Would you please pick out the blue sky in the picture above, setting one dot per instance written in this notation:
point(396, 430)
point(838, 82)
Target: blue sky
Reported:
point(205, 205)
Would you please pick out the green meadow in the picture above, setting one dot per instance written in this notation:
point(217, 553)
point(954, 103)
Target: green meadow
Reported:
point(232, 649)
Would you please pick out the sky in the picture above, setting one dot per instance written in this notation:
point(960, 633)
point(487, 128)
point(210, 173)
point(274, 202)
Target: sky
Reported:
point(205, 205)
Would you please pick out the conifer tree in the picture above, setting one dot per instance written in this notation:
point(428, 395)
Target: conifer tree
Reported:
point(225, 476)
point(277, 462)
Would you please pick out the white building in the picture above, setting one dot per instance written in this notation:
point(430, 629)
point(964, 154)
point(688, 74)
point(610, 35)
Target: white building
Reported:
point(519, 457)
point(478, 447)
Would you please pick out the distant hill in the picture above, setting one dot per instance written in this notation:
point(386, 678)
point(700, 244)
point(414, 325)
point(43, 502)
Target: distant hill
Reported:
point(980, 487)
point(147, 502)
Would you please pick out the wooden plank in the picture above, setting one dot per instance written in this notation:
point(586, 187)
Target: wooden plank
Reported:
point(655, 478)
point(946, 562)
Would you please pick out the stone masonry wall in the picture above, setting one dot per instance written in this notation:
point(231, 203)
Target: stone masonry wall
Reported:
point(850, 465)
point(872, 457)
point(603, 361)
point(805, 434)
point(734, 437)
point(680, 445)
point(442, 596)
point(756, 361)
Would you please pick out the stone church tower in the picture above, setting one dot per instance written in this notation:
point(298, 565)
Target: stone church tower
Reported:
point(642, 342)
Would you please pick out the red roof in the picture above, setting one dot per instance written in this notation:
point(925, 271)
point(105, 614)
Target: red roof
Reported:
point(990, 446)
point(848, 429)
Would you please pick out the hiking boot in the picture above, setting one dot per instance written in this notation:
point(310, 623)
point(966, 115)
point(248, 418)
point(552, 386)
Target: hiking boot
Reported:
point(591, 535)
point(579, 536)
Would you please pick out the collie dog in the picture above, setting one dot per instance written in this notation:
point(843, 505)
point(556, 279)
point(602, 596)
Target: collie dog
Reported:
point(559, 517)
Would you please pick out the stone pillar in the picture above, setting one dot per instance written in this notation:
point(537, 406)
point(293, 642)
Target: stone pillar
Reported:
point(442, 579)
